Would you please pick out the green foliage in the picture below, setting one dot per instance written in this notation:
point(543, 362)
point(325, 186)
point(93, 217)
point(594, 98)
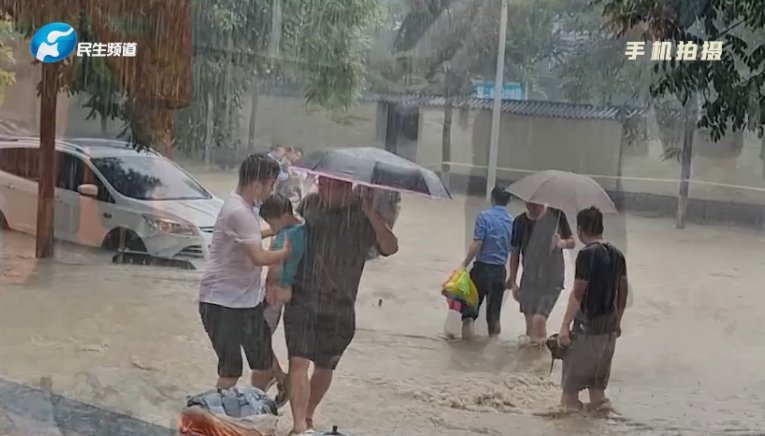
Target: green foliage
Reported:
point(460, 37)
point(7, 35)
point(731, 90)
point(93, 78)
point(328, 40)
point(321, 47)
point(595, 70)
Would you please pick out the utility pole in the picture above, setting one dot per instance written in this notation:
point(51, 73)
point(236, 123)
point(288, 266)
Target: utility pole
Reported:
point(46, 165)
point(496, 116)
point(686, 158)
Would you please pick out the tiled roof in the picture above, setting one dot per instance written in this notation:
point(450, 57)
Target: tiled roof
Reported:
point(531, 108)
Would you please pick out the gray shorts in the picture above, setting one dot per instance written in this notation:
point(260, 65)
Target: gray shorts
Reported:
point(587, 364)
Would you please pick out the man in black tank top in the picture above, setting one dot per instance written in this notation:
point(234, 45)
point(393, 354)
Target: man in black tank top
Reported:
point(595, 307)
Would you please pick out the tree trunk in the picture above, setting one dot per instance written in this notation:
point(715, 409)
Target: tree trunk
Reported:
point(47, 162)
point(253, 118)
point(104, 125)
point(620, 162)
point(446, 141)
point(685, 161)
point(208, 130)
point(762, 155)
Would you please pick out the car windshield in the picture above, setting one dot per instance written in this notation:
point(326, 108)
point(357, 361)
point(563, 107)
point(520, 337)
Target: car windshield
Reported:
point(149, 178)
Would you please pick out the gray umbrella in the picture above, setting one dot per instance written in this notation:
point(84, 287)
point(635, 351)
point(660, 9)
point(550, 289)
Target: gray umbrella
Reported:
point(562, 190)
point(377, 168)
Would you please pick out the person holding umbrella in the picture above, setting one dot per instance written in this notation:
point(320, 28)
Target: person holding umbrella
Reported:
point(341, 229)
point(539, 237)
point(320, 319)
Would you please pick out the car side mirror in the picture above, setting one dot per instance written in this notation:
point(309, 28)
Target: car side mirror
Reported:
point(88, 190)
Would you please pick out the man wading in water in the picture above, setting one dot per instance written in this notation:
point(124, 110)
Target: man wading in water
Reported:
point(320, 319)
point(230, 293)
point(596, 306)
point(490, 249)
point(539, 237)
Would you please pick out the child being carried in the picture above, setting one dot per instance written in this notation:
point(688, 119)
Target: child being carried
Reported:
point(277, 212)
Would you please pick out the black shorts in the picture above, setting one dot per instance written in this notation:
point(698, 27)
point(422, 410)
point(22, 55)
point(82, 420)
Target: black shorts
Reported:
point(230, 331)
point(538, 301)
point(319, 336)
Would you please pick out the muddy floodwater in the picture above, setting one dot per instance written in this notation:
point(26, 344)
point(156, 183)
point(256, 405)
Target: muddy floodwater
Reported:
point(128, 339)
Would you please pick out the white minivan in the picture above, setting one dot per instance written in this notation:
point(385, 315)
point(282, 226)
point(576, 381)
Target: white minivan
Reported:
point(109, 195)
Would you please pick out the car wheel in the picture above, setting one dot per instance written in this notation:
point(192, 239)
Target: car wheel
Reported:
point(3, 222)
point(123, 239)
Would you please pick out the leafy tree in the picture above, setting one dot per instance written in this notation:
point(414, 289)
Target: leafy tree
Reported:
point(449, 42)
point(731, 90)
point(318, 45)
point(7, 35)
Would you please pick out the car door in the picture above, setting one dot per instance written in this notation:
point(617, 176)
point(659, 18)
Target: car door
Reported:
point(79, 218)
point(18, 188)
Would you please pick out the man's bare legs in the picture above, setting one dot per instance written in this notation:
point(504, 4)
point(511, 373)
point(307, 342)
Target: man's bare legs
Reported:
point(320, 382)
point(570, 400)
point(226, 382)
point(538, 329)
point(597, 399)
point(528, 318)
point(300, 392)
point(277, 372)
point(261, 379)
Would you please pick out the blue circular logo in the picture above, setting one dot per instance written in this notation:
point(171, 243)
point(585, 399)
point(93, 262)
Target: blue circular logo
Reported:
point(53, 42)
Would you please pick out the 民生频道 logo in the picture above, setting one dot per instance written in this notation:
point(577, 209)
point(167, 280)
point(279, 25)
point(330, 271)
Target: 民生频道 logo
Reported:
point(53, 42)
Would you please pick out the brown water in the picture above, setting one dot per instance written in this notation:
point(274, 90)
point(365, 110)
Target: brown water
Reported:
point(129, 338)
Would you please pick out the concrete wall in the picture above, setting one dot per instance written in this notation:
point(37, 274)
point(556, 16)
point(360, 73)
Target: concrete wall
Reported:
point(527, 144)
point(286, 120)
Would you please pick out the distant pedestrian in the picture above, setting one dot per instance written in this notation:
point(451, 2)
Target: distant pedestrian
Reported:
point(596, 307)
point(539, 236)
point(230, 291)
point(490, 248)
point(278, 153)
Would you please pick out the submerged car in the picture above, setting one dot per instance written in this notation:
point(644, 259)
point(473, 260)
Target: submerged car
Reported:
point(109, 195)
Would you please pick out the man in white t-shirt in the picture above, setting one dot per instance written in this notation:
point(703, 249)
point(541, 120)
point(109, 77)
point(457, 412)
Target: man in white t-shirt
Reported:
point(230, 292)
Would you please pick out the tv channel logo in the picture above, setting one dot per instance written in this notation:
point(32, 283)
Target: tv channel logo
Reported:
point(53, 42)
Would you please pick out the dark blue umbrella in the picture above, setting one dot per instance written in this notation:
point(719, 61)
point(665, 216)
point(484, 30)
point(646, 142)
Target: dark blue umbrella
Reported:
point(377, 168)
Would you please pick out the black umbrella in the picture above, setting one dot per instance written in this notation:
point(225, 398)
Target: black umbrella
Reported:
point(375, 167)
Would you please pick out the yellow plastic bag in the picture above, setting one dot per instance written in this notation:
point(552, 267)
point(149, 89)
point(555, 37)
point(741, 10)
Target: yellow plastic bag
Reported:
point(460, 287)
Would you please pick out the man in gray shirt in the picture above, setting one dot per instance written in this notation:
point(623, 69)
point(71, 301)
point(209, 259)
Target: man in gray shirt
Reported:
point(320, 320)
point(230, 292)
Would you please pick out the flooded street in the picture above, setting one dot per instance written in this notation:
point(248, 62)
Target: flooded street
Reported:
point(129, 339)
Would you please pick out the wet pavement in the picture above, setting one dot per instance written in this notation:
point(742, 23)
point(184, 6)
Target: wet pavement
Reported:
point(127, 339)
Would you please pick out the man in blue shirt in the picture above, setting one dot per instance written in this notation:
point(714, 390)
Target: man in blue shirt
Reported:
point(490, 248)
